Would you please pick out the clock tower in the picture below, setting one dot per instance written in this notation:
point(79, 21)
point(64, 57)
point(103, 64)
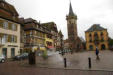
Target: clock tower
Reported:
point(72, 28)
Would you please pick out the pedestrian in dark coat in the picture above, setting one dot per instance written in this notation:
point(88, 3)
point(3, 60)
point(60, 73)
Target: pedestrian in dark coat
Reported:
point(97, 53)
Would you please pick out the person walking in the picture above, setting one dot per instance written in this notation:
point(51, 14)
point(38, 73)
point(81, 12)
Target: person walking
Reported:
point(97, 54)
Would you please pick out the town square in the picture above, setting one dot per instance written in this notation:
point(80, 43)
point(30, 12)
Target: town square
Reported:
point(33, 42)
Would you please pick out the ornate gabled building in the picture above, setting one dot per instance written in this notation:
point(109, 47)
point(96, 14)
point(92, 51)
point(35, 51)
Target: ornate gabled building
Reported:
point(9, 30)
point(96, 36)
point(52, 26)
point(37, 37)
point(74, 41)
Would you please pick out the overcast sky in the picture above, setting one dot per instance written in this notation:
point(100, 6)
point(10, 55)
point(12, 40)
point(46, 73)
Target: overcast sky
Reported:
point(89, 12)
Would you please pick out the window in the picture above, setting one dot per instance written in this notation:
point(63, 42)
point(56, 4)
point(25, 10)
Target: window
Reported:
point(5, 25)
point(4, 38)
point(90, 35)
point(101, 34)
point(12, 38)
point(90, 40)
point(13, 27)
point(49, 36)
point(95, 36)
point(31, 33)
point(102, 39)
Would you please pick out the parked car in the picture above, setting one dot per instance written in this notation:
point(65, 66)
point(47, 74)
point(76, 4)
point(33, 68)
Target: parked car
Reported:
point(21, 56)
point(2, 58)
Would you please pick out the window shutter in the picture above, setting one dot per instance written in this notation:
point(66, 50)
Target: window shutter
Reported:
point(1, 23)
point(1, 35)
point(16, 27)
point(10, 26)
point(15, 39)
point(9, 38)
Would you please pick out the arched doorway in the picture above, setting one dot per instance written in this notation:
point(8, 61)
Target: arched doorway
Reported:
point(91, 47)
point(103, 47)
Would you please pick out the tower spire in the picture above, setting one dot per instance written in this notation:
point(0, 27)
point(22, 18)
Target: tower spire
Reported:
point(71, 10)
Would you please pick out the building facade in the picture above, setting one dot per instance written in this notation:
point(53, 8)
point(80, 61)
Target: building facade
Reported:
point(52, 26)
point(96, 36)
point(36, 35)
point(60, 43)
point(9, 30)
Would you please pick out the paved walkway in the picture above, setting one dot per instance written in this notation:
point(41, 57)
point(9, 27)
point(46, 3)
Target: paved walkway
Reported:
point(77, 65)
point(14, 68)
point(80, 61)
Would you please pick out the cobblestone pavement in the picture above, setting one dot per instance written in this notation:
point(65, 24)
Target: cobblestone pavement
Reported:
point(80, 61)
point(77, 65)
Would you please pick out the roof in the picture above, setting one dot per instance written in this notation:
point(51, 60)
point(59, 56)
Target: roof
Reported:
point(7, 10)
point(95, 27)
point(50, 25)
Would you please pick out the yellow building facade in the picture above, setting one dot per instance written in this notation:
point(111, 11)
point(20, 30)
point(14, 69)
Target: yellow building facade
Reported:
point(48, 40)
point(96, 36)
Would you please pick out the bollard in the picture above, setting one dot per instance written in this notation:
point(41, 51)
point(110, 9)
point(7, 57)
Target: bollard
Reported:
point(89, 59)
point(65, 63)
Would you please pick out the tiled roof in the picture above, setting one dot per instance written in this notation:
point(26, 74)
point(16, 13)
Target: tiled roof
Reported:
point(50, 25)
point(95, 27)
point(8, 7)
point(8, 10)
